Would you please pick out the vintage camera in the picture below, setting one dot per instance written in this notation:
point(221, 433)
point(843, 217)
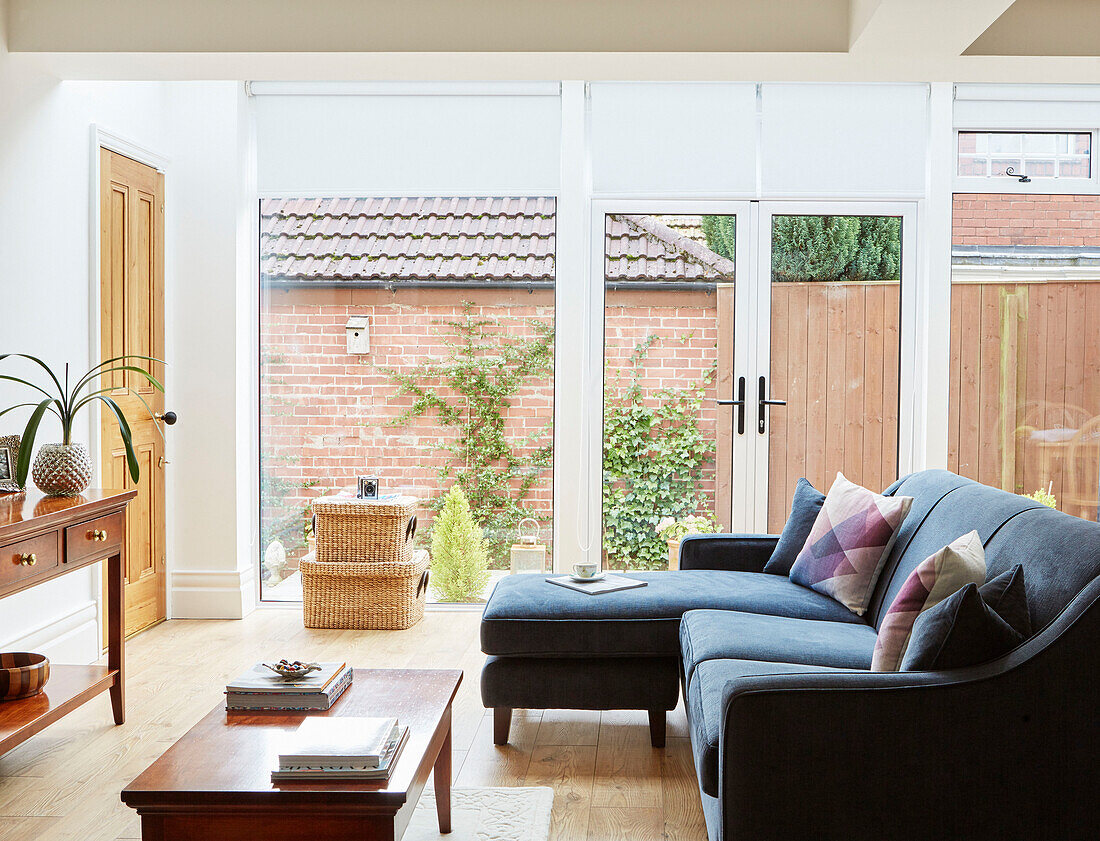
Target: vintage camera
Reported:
point(368, 487)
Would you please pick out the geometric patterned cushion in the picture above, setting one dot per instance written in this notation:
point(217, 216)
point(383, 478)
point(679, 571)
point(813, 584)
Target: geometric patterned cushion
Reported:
point(938, 576)
point(849, 542)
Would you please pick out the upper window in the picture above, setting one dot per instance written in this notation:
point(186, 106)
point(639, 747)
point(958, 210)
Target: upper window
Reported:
point(1011, 154)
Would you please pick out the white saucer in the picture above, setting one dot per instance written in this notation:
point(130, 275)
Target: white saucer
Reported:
point(599, 576)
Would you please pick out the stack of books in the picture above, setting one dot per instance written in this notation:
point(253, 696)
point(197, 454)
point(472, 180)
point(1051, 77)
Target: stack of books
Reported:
point(337, 748)
point(260, 689)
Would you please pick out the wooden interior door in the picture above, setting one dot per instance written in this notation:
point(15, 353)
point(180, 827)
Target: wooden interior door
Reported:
point(132, 322)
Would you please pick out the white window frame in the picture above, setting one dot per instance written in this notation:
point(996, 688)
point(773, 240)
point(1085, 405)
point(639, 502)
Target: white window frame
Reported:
point(1040, 185)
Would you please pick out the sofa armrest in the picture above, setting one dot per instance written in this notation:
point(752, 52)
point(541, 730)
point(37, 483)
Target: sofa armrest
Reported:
point(731, 552)
point(994, 751)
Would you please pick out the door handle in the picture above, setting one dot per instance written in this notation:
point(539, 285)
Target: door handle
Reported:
point(739, 403)
point(762, 405)
point(169, 418)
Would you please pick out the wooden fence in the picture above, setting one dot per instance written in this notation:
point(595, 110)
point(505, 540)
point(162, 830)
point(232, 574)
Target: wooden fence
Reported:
point(1025, 388)
point(834, 359)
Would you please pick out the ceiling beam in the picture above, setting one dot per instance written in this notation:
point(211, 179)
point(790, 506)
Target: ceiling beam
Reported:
point(931, 27)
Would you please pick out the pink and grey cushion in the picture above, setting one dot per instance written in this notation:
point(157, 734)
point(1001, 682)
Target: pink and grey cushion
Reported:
point(849, 542)
point(938, 576)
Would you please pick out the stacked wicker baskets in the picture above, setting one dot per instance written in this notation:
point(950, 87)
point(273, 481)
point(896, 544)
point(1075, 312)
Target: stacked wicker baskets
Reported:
point(366, 573)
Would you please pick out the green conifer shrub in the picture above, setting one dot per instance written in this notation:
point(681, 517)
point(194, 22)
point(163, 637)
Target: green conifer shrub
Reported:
point(460, 553)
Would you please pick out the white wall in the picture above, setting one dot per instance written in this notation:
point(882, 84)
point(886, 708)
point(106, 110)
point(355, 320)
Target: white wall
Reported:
point(45, 278)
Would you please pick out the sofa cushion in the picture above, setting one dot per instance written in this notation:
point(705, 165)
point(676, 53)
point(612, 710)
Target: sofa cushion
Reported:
point(938, 517)
point(805, 506)
point(849, 542)
point(530, 617)
point(704, 698)
point(942, 573)
point(731, 635)
point(963, 630)
point(1006, 594)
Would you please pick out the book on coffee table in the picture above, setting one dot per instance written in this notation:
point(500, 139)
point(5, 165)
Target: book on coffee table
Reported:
point(607, 584)
point(343, 740)
point(255, 691)
point(342, 770)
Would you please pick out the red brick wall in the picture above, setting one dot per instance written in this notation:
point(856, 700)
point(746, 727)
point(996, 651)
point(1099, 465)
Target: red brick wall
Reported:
point(324, 413)
point(1011, 219)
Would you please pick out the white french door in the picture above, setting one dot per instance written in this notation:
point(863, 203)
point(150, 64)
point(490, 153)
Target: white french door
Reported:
point(827, 333)
point(800, 342)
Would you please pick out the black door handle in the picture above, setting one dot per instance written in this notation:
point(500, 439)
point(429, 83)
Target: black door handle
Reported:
point(739, 403)
point(763, 404)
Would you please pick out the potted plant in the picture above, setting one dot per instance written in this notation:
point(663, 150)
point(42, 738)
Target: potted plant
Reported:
point(65, 468)
point(674, 530)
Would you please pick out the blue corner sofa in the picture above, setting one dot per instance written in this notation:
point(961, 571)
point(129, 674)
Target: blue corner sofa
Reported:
point(793, 736)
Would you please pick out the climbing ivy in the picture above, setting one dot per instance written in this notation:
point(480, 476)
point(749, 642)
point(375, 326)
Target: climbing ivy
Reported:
point(654, 456)
point(470, 388)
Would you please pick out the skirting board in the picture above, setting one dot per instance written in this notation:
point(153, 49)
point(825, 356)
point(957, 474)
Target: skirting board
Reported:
point(69, 637)
point(213, 593)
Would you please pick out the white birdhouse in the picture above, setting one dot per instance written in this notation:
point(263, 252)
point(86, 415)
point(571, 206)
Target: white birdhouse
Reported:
point(358, 333)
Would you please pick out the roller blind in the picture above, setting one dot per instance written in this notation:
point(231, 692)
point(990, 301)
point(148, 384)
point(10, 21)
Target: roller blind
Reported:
point(679, 138)
point(404, 141)
point(1064, 107)
point(833, 140)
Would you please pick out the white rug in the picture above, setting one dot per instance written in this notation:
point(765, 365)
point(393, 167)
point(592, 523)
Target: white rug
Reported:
point(486, 814)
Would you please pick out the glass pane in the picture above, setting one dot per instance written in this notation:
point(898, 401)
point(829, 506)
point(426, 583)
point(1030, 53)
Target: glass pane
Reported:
point(668, 331)
point(1001, 143)
point(1000, 166)
point(1024, 394)
point(1043, 144)
point(412, 340)
point(835, 354)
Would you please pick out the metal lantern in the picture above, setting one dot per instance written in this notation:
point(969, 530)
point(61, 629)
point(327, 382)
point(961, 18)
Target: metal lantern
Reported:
point(528, 555)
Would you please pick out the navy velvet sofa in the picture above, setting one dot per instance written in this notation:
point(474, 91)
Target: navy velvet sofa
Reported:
point(793, 736)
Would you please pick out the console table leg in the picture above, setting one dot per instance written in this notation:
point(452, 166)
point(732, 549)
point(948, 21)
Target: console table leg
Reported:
point(116, 631)
point(441, 776)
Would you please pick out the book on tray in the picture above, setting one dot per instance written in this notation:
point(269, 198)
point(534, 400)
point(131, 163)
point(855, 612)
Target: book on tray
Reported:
point(341, 749)
point(260, 689)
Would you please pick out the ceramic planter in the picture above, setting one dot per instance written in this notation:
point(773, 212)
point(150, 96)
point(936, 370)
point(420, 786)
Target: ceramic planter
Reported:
point(62, 469)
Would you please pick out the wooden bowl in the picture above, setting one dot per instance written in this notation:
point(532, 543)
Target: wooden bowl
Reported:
point(22, 674)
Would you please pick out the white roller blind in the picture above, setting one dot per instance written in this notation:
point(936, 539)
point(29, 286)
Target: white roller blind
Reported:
point(845, 139)
point(481, 142)
point(1064, 107)
point(673, 138)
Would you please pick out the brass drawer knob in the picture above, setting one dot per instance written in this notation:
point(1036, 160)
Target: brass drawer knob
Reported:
point(28, 560)
point(99, 535)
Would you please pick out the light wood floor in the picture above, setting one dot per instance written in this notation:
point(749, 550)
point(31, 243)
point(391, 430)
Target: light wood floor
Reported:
point(609, 784)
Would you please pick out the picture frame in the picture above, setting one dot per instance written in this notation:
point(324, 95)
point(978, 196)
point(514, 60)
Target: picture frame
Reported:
point(9, 454)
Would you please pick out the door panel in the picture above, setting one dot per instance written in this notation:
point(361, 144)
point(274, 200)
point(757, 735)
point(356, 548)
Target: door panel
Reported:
point(832, 304)
point(132, 322)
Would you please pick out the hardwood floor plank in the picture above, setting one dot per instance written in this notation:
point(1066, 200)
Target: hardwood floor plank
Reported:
point(622, 824)
point(609, 783)
point(569, 727)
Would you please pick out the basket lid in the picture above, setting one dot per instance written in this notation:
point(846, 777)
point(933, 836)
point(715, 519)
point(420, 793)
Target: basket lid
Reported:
point(365, 507)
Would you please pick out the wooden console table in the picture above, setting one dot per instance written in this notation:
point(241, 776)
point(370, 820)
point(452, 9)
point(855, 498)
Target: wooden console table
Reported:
point(42, 537)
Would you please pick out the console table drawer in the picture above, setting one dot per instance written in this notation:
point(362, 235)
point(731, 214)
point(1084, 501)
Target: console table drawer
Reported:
point(28, 558)
point(93, 539)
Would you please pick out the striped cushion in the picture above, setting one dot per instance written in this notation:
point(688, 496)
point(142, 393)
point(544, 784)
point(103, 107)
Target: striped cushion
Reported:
point(938, 576)
point(849, 542)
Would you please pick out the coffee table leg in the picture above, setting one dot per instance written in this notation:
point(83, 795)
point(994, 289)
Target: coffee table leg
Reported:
point(441, 776)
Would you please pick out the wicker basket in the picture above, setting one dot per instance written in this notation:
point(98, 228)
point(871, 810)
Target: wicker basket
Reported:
point(364, 531)
point(368, 596)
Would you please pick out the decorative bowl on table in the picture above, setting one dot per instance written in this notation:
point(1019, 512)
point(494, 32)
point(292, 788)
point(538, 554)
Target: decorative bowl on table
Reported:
point(293, 669)
point(22, 674)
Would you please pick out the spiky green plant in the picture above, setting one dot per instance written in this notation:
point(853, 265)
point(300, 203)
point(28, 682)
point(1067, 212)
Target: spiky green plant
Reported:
point(65, 401)
point(460, 553)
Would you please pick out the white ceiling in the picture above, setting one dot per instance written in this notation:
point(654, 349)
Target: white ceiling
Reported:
point(797, 40)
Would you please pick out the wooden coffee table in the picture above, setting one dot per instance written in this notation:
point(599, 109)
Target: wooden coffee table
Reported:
point(215, 782)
